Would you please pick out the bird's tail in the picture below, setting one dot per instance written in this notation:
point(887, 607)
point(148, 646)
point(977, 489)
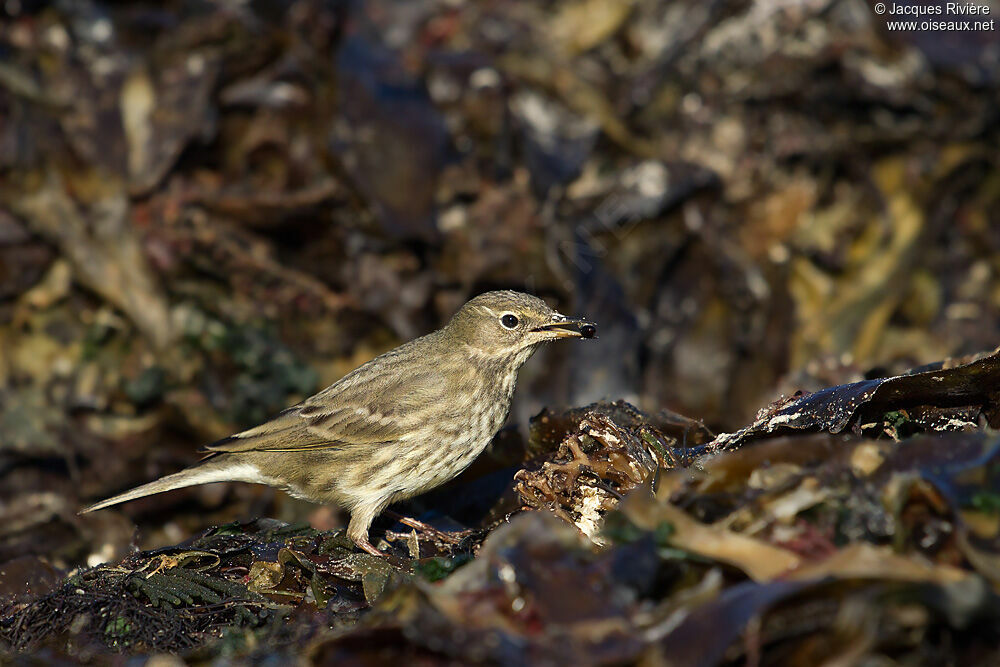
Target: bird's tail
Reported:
point(212, 469)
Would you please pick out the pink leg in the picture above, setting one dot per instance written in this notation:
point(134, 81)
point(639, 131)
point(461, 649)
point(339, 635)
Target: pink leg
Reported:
point(357, 530)
point(367, 546)
point(425, 528)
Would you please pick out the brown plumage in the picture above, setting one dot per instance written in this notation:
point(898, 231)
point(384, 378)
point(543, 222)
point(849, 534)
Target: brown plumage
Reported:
point(401, 424)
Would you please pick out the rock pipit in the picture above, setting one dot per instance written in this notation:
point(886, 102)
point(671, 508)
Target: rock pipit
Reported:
point(401, 424)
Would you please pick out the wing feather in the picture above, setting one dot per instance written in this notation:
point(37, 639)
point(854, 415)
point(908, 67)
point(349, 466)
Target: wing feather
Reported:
point(360, 409)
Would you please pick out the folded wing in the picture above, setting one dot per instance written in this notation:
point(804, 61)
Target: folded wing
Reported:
point(360, 409)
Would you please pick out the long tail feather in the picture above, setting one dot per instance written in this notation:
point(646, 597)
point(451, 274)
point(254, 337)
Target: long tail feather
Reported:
point(211, 470)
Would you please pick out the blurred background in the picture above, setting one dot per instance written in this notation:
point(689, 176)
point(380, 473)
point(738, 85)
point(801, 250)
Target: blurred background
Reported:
point(210, 210)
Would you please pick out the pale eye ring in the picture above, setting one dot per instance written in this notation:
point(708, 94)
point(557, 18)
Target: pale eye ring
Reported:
point(509, 321)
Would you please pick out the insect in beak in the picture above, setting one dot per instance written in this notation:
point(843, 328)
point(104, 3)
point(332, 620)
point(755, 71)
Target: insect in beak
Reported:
point(567, 327)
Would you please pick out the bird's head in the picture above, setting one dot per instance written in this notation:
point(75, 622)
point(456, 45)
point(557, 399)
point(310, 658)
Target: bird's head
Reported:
point(512, 324)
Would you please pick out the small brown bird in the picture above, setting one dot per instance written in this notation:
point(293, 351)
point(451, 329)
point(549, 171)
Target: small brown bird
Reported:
point(401, 424)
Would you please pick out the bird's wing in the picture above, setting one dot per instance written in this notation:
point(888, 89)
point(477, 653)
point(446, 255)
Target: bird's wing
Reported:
point(357, 410)
point(287, 432)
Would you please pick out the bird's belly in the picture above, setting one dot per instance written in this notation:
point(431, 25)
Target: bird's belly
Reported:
point(445, 464)
point(444, 455)
point(427, 457)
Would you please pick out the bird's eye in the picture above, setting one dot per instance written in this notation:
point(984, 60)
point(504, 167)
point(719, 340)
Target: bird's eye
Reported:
point(509, 321)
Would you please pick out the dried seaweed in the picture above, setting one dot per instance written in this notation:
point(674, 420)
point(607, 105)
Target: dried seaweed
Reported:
point(129, 611)
point(947, 398)
point(238, 576)
point(597, 463)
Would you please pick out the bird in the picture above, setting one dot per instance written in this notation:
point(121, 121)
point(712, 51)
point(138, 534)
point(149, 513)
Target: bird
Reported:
point(401, 424)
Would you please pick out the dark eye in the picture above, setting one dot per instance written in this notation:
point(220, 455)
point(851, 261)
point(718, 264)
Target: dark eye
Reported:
point(509, 321)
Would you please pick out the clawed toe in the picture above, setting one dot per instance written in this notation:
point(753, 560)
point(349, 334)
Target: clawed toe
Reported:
point(441, 535)
point(365, 545)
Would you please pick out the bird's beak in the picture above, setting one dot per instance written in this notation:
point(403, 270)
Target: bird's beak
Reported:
point(566, 327)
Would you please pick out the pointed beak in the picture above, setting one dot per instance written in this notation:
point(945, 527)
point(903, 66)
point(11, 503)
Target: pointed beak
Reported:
point(566, 327)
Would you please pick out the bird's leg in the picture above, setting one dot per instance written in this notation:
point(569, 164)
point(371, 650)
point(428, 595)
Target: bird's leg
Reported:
point(425, 528)
point(416, 524)
point(357, 530)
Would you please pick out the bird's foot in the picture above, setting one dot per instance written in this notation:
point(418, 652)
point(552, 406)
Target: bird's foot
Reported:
point(429, 529)
point(365, 545)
